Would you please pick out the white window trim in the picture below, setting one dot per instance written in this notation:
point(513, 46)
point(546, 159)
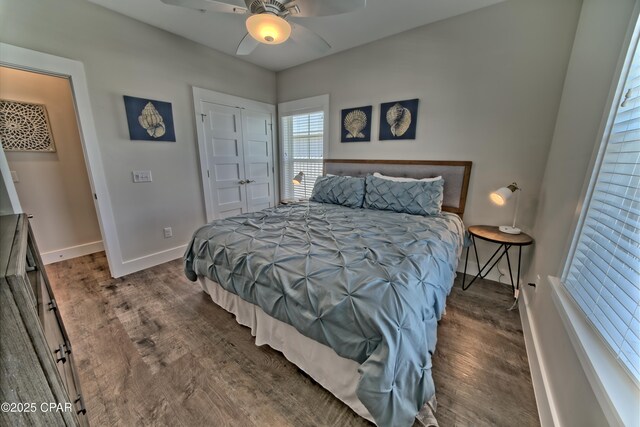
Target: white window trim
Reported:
point(301, 106)
point(615, 389)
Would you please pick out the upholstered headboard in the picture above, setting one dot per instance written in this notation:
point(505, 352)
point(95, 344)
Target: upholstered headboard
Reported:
point(455, 173)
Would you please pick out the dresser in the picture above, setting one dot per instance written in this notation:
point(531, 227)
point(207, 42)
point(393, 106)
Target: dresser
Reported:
point(38, 377)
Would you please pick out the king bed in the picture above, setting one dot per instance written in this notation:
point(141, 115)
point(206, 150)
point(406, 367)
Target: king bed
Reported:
point(350, 285)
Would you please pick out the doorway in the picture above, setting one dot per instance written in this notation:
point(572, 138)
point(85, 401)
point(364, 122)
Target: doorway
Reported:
point(236, 146)
point(43, 63)
point(51, 180)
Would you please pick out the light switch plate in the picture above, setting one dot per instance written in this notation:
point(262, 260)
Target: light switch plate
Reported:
point(168, 232)
point(141, 176)
point(14, 176)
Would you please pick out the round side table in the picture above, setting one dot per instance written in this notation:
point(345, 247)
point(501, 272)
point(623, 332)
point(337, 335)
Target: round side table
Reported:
point(505, 241)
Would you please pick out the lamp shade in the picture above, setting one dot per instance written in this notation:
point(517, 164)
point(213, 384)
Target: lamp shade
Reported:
point(501, 195)
point(500, 198)
point(268, 28)
point(297, 180)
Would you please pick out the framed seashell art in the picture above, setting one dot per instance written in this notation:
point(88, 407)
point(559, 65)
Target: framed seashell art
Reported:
point(149, 120)
point(356, 124)
point(398, 120)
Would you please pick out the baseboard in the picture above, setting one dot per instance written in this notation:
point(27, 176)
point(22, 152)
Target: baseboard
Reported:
point(151, 260)
point(539, 377)
point(472, 269)
point(72, 252)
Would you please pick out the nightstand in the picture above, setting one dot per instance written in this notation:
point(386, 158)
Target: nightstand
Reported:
point(505, 241)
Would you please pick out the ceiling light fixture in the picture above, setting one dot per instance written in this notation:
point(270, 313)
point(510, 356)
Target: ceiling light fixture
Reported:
point(268, 29)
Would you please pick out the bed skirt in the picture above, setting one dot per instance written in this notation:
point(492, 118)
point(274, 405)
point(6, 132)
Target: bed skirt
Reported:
point(336, 374)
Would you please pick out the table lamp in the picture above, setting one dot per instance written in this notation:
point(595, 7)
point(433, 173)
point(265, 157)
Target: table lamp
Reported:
point(500, 198)
point(298, 180)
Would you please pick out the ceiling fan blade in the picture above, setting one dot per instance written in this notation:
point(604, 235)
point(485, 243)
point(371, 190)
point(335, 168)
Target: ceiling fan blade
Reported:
point(327, 7)
point(247, 45)
point(207, 5)
point(306, 37)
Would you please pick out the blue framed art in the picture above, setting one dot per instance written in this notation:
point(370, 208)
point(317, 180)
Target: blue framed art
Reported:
point(356, 124)
point(149, 120)
point(398, 120)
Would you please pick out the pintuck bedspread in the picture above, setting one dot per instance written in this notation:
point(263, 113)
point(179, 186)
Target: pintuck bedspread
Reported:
point(370, 284)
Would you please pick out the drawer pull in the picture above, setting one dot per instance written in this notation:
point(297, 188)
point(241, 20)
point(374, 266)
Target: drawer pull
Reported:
point(52, 305)
point(63, 354)
point(80, 402)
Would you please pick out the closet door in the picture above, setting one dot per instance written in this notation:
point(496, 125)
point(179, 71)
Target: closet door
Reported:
point(222, 128)
point(258, 159)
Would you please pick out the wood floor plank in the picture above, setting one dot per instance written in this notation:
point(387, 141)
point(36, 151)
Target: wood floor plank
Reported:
point(153, 349)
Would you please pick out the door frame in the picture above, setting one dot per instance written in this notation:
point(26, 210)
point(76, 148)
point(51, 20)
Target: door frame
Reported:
point(44, 63)
point(201, 94)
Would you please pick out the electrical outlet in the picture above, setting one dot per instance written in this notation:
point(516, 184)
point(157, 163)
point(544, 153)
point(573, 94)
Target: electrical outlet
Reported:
point(168, 232)
point(141, 176)
point(14, 176)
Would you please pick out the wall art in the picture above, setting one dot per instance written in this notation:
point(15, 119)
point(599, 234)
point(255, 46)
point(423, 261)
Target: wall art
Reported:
point(25, 127)
point(398, 120)
point(149, 120)
point(356, 124)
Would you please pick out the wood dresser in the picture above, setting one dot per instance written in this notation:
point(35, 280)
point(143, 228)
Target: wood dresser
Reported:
point(38, 378)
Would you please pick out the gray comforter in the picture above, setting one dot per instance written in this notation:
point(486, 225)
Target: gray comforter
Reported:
point(370, 284)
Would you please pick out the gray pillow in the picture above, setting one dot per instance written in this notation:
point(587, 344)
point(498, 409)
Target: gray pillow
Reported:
point(416, 197)
point(339, 190)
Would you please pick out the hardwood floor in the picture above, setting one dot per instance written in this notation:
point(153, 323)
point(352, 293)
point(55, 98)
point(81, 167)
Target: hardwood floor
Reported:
point(153, 349)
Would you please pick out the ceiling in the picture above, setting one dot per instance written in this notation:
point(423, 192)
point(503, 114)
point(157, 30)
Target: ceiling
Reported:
point(223, 32)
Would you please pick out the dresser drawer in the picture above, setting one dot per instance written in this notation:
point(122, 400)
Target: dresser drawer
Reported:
point(35, 341)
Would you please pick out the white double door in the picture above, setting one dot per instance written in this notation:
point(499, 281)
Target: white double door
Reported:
point(238, 150)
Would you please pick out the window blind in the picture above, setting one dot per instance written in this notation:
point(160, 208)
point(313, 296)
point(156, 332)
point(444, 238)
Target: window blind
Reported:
point(603, 272)
point(302, 151)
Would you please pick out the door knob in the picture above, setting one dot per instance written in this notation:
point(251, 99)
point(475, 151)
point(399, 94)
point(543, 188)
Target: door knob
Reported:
point(242, 182)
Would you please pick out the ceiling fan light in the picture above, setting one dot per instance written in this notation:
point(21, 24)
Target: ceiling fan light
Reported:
point(267, 28)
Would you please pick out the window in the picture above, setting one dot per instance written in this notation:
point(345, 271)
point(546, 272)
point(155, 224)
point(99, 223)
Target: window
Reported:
point(603, 269)
point(303, 146)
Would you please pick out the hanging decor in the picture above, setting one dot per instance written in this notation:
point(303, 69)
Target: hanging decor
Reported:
point(398, 120)
point(356, 124)
point(25, 127)
point(149, 120)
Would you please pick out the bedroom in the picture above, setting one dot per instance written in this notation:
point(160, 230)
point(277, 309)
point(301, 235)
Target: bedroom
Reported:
point(520, 88)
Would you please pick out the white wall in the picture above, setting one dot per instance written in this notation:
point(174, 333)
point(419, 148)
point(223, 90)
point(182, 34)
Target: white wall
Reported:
point(489, 84)
point(125, 57)
point(53, 187)
point(590, 75)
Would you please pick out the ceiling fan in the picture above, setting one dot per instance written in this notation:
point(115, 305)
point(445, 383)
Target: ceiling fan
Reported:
point(269, 20)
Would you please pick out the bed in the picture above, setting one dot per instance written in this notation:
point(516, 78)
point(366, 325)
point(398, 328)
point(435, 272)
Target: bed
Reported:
point(352, 296)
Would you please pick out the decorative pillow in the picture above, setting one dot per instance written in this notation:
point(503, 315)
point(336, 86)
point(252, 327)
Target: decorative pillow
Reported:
point(414, 197)
point(339, 190)
point(402, 179)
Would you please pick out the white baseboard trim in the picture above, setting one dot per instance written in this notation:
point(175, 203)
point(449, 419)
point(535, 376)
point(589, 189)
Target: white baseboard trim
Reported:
point(72, 252)
point(472, 269)
point(545, 401)
point(151, 260)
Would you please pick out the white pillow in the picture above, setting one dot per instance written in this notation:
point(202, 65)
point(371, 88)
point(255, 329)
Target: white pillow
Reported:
point(399, 179)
